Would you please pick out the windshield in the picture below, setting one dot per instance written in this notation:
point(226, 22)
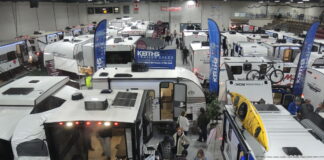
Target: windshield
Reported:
point(86, 141)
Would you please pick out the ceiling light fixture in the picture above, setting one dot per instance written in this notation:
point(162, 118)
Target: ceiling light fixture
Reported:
point(300, 2)
point(277, 1)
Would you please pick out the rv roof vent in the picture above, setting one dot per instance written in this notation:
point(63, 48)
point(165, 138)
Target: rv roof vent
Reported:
point(281, 41)
point(66, 40)
point(125, 35)
point(18, 91)
point(106, 91)
point(37, 32)
point(195, 42)
point(205, 43)
point(264, 36)
point(126, 99)
point(139, 67)
point(123, 75)
point(130, 38)
point(134, 27)
point(266, 107)
point(68, 28)
point(275, 35)
point(118, 18)
point(77, 96)
point(277, 29)
point(103, 74)
point(33, 81)
point(117, 40)
point(232, 32)
point(292, 151)
point(126, 16)
point(96, 103)
point(319, 62)
point(195, 32)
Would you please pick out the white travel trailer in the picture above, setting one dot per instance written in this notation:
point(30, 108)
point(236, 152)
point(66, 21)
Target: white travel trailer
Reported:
point(28, 95)
point(120, 22)
point(137, 28)
point(67, 54)
point(231, 39)
point(200, 60)
point(190, 36)
point(287, 138)
point(119, 50)
point(259, 38)
point(313, 86)
point(39, 41)
point(13, 54)
point(278, 34)
point(249, 49)
point(87, 124)
point(175, 90)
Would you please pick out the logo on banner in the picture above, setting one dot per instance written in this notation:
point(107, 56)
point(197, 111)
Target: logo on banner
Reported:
point(157, 58)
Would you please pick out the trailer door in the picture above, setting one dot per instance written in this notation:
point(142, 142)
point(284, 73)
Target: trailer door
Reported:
point(179, 99)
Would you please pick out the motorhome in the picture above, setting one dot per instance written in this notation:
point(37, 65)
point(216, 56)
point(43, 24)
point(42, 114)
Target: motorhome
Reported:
point(200, 60)
point(190, 36)
point(13, 54)
point(249, 49)
point(67, 54)
point(175, 90)
point(88, 124)
point(119, 50)
point(265, 131)
point(28, 95)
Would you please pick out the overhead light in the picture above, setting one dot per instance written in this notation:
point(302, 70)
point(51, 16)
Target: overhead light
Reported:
point(260, 1)
point(288, 2)
point(277, 1)
point(300, 2)
point(191, 2)
point(306, 0)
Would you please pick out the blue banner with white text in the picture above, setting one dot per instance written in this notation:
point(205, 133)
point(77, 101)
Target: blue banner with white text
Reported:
point(159, 59)
point(304, 58)
point(100, 45)
point(214, 45)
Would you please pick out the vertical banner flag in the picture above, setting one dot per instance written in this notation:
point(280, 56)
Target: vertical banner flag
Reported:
point(214, 42)
point(303, 59)
point(100, 45)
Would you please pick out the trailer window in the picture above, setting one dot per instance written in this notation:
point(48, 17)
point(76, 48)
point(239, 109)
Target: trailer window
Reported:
point(3, 58)
point(47, 104)
point(236, 69)
point(11, 55)
point(119, 57)
point(86, 142)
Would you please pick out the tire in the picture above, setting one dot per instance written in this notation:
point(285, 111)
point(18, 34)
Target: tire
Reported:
point(253, 75)
point(276, 76)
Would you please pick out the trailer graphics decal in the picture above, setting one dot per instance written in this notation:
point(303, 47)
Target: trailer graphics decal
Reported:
point(313, 87)
point(100, 45)
point(158, 59)
point(214, 42)
point(303, 60)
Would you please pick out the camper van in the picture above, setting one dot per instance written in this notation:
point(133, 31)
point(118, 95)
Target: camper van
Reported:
point(265, 131)
point(13, 54)
point(66, 55)
point(200, 60)
point(28, 95)
point(88, 124)
point(190, 36)
point(249, 49)
point(119, 50)
point(175, 90)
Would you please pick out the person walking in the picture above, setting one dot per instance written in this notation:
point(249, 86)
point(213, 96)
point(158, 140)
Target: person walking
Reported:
point(185, 53)
point(183, 122)
point(203, 121)
point(200, 155)
point(175, 33)
point(177, 43)
point(224, 46)
point(181, 142)
point(294, 106)
point(171, 38)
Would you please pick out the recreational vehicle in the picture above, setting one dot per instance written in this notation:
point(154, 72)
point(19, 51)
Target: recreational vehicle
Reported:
point(231, 38)
point(67, 55)
point(200, 60)
point(120, 22)
point(278, 34)
point(13, 54)
point(313, 86)
point(39, 40)
point(88, 124)
point(175, 90)
point(265, 131)
point(249, 49)
point(137, 28)
point(190, 36)
point(119, 50)
point(259, 38)
point(28, 95)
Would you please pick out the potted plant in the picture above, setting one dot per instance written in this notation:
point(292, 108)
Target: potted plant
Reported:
point(213, 107)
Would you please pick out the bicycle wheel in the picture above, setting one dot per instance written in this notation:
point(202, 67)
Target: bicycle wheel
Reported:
point(276, 76)
point(253, 75)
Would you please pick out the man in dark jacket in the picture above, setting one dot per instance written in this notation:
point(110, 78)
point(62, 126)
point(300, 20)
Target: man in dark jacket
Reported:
point(203, 121)
point(185, 53)
point(165, 148)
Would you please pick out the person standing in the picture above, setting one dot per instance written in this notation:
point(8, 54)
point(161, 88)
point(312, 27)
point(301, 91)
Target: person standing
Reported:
point(183, 122)
point(306, 108)
point(165, 148)
point(200, 155)
point(181, 142)
point(104, 137)
point(175, 33)
point(177, 43)
point(294, 107)
point(224, 46)
point(203, 121)
point(171, 38)
point(185, 53)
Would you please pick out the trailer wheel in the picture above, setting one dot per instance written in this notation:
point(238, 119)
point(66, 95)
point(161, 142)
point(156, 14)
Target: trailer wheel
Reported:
point(276, 76)
point(253, 75)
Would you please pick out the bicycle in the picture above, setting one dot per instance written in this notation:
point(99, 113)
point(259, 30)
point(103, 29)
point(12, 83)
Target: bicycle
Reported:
point(273, 74)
